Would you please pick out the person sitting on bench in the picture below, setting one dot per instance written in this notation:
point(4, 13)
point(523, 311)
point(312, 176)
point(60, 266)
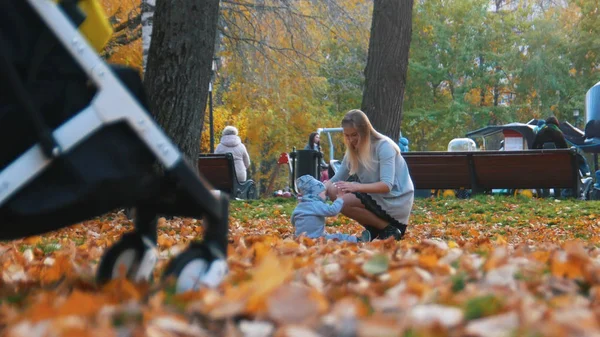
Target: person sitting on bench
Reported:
point(550, 133)
point(231, 142)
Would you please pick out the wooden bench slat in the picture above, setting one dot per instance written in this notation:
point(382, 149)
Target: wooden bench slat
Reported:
point(217, 170)
point(493, 169)
point(427, 173)
point(520, 171)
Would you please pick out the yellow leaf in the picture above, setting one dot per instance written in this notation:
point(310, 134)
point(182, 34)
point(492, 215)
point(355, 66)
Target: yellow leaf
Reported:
point(32, 240)
point(540, 256)
point(260, 251)
point(268, 276)
point(501, 240)
point(165, 241)
point(428, 261)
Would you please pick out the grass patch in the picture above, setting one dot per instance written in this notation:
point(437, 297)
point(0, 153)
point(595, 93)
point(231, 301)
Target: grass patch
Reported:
point(506, 210)
point(49, 247)
point(459, 282)
point(79, 240)
point(262, 208)
point(482, 306)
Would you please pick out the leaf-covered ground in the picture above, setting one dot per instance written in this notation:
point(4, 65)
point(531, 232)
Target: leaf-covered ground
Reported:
point(482, 267)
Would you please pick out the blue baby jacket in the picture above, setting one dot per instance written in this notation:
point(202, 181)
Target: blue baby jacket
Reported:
point(309, 218)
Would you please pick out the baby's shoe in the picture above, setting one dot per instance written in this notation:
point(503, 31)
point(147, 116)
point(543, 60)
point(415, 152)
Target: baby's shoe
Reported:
point(365, 236)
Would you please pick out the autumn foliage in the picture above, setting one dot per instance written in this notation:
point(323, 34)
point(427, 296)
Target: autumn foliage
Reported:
point(518, 266)
point(466, 267)
point(287, 68)
point(125, 46)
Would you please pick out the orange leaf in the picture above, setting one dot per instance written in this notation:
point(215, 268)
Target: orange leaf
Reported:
point(81, 303)
point(32, 240)
point(165, 241)
point(428, 261)
point(61, 267)
point(563, 266)
point(122, 289)
point(41, 309)
point(267, 277)
point(260, 251)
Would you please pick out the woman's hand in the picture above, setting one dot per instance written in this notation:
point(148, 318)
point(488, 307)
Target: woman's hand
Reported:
point(347, 187)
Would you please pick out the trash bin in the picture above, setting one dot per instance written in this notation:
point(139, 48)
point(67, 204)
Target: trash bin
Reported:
point(307, 162)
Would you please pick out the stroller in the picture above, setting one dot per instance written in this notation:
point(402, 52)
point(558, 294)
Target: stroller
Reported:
point(77, 142)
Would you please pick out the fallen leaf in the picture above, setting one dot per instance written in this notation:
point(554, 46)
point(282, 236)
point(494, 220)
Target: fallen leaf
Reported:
point(376, 265)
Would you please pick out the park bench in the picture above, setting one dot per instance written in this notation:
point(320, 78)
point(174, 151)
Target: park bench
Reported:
point(219, 171)
point(486, 170)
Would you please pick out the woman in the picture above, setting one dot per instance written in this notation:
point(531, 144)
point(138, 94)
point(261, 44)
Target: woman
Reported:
point(231, 142)
point(550, 133)
point(314, 143)
point(373, 179)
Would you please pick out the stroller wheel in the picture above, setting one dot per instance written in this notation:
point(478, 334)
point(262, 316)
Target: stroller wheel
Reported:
point(133, 256)
point(196, 267)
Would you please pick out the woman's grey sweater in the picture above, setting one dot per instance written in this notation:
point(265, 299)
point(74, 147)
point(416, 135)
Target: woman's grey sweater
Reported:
point(388, 167)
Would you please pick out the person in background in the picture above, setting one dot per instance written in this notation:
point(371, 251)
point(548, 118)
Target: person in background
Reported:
point(539, 126)
point(373, 179)
point(314, 143)
point(550, 133)
point(231, 143)
point(403, 144)
point(309, 215)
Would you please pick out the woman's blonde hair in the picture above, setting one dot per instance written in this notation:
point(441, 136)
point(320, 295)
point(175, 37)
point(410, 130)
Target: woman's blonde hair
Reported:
point(362, 156)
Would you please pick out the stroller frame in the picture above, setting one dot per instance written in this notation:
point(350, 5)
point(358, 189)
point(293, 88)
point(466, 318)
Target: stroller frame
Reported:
point(112, 103)
point(108, 106)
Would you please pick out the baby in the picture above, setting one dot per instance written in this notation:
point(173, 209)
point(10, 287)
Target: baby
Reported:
point(309, 215)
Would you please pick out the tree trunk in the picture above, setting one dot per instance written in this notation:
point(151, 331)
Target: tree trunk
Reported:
point(434, 87)
point(148, 7)
point(387, 65)
point(496, 94)
point(179, 68)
